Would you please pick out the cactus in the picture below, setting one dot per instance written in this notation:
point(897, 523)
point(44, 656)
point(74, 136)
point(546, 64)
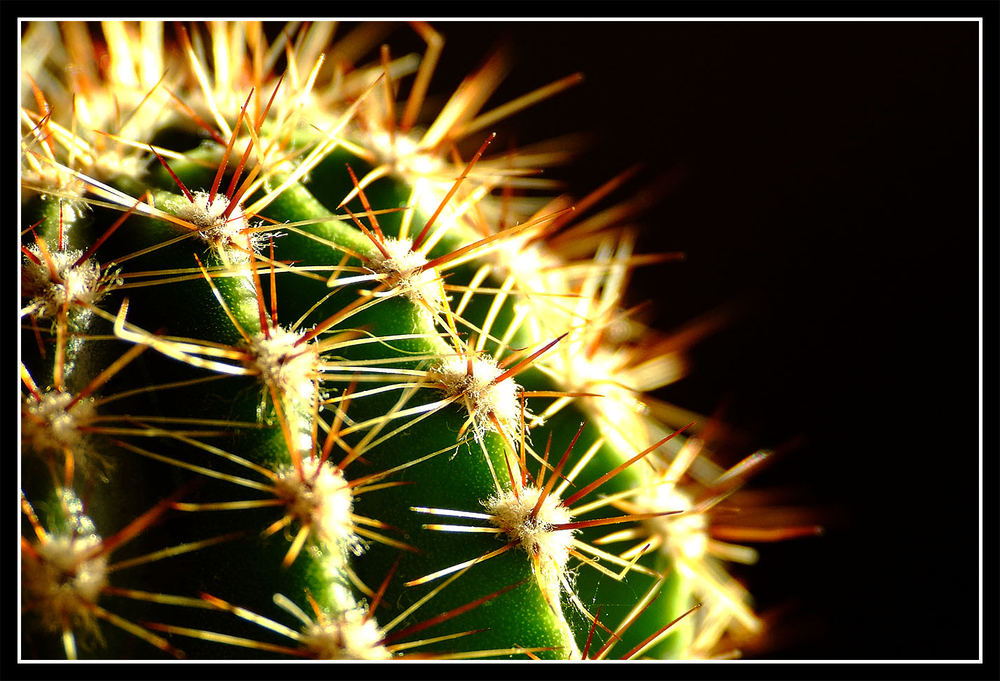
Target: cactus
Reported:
point(304, 376)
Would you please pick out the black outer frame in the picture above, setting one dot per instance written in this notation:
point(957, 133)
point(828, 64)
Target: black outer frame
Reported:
point(866, 619)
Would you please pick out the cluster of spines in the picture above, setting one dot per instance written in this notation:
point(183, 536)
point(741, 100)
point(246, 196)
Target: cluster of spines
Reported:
point(448, 344)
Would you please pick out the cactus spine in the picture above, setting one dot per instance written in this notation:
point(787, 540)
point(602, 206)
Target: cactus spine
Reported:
point(301, 378)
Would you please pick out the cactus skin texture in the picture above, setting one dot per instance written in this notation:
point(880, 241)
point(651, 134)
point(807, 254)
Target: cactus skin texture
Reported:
point(310, 373)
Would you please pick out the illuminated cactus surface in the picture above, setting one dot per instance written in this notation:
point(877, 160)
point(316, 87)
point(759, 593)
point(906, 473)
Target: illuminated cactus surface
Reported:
point(310, 371)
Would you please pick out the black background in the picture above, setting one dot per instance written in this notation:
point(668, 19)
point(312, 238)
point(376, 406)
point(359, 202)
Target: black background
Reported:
point(828, 188)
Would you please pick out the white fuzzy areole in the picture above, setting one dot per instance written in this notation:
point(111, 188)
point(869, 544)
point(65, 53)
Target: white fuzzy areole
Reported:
point(80, 284)
point(404, 154)
point(511, 513)
point(481, 395)
point(404, 273)
point(686, 533)
point(226, 235)
point(290, 368)
point(62, 583)
point(112, 163)
point(53, 428)
point(347, 636)
point(322, 502)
